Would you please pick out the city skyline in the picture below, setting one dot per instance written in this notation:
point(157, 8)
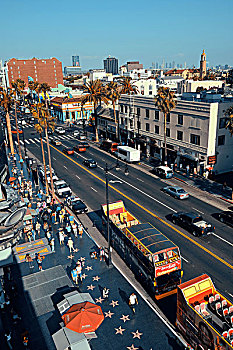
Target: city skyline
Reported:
point(165, 31)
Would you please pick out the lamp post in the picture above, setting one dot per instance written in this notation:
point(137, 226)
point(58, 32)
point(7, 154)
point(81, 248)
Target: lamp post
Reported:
point(107, 169)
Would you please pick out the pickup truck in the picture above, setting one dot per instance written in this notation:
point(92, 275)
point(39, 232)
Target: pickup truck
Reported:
point(193, 223)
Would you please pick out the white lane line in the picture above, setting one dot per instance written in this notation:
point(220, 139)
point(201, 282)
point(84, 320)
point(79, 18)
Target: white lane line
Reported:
point(230, 294)
point(54, 158)
point(184, 259)
point(16, 143)
point(31, 140)
point(21, 142)
point(27, 142)
point(91, 153)
point(139, 179)
point(198, 211)
point(93, 189)
point(77, 177)
point(37, 140)
point(65, 167)
point(214, 234)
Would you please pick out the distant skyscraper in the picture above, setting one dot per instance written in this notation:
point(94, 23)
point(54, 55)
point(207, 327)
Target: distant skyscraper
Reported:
point(157, 65)
point(173, 64)
point(111, 65)
point(170, 65)
point(166, 65)
point(75, 61)
point(203, 65)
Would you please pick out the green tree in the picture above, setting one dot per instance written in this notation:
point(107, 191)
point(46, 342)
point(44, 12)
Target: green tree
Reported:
point(94, 93)
point(165, 102)
point(6, 101)
point(113, 92)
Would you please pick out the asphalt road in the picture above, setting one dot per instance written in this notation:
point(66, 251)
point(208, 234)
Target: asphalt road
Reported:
point(143, 197)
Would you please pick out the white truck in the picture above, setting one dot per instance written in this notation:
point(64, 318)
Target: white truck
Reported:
point(62, 189)
point(128, 154)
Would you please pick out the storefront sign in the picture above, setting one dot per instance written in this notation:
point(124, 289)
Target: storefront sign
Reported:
point(212, 160)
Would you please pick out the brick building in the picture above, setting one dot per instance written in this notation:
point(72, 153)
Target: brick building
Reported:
point(42, 70)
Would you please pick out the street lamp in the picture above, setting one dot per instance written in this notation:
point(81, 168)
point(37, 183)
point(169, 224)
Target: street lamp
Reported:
point(107, 169)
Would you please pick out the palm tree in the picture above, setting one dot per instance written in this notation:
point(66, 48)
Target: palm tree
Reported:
point(127, 87)
point(33, 86)
point(114, 93)
point(40, 111)
point(6, 102)
point(229, 123)
point(165, 102)
point(94, 93)
point(44, 87)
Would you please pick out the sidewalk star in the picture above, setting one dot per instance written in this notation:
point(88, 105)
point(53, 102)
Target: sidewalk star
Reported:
point(84, 276)
point(99, 300)
point(125, 318)
point(137, 334)
point(70, 256)
point(91, 287)
point(96, 278)
point(132, 347)
point(119, 330)
point(82, 259)
point(88, 268)
point(109, 314)
point(114, 303)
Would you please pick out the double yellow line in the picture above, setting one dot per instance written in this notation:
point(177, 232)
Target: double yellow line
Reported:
point(149, 212)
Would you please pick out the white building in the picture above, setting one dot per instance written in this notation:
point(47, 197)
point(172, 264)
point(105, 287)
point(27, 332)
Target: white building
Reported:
point(191, 85)
point(100, 74)
point(3, 82)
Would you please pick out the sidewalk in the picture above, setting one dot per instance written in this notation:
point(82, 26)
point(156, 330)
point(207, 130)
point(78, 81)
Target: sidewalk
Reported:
point(39, 292)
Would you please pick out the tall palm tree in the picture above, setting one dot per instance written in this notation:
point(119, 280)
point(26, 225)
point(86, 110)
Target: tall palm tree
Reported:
point(46, 121)
point(33, 86)
point(6, 102)
point(127, 86)
point(44, 87)
point(165, 102)
point(94, 93)
point(114, 93)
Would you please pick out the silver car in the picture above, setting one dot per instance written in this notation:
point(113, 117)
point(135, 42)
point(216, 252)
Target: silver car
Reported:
point(176, 192)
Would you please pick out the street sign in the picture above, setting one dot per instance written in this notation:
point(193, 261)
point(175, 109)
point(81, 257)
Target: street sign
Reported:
point(212, 160)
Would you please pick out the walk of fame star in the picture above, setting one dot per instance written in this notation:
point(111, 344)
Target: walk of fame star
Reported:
point(96, 278)
point(76, 250)
point(125, 318)
point(132, 347)
point(84, 276)
point(91, 287)
point(82, 259)
point(137, 334)
point(114, 303)
point(109, 314)
point(70, 256)
point(99, 300)
point(88, 268)
point(119, 330)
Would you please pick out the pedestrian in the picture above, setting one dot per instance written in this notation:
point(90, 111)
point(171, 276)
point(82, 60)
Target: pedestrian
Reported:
point(80, 230)
point(48, 234)
point(74, 275)
point(61, 237)
point(70, 244)
point(8, 339)
point(133, 301)
point(105, 293)
point(71, 219)
point(75, 230)
point(38, 225)
point(61, 217)
point(15, 317)
point(53, 217)
point(187, 169)
point(33, 234)
point(79, 270)
point(28, 259)
point(52, 245)
point(39, 259)
point(68, 228)
point(102, 254)
point(29, 236)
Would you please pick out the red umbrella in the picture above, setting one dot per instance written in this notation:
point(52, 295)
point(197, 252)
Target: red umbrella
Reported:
point(83, 317)
point(11, 179)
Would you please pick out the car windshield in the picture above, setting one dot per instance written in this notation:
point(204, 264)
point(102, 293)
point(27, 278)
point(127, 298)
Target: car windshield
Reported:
point(169, 172)
point(76, 201)
point(181, 191)
point(197, 219)
point(64, 185)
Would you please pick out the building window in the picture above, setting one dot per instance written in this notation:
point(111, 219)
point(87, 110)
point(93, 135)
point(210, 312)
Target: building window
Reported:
point(222, 123)
point(150, 92)
point(195, 122)
point(138, 125)
point(147, 127)
point(131, 123)
point(138, 111)
point(167, 132)
point(13, 62)
point(156, 115)
point(180, 135)
point(195, 139)
point(24, 62)
point(168, 118)
point(156, 129)
point(126, 109)
point(221, 140)
point(122, 121)
point(180, 119)
point(147, 113)
point(122, 109)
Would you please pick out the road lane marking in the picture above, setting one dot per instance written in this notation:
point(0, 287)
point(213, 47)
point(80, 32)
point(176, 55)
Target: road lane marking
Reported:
point(198, 211)
point(150, 212)
point(214, 234)
point(65, 167)
point(184, 259)
point(93, 189)
point(139, 179)
point(21, 142)
point(230, 294)
point(16, 143)
point(115, 181)
point(31, 140)
point(54, 158)
point(27, 142)
point(77, 177)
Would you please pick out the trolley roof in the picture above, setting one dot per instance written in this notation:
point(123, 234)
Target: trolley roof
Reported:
point(150, 237)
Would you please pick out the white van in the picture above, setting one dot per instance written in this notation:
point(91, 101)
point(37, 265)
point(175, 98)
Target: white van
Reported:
point(128, 154)
point(163, 171)
point(62, 189)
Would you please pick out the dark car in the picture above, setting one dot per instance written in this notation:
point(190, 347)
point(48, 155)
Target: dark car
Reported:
point(77, 205)
point(55, 142)
point(79, 148)
point(226, 217)
point(90, 163)
point(193, 223)
point(84, 143)
point(68, 151)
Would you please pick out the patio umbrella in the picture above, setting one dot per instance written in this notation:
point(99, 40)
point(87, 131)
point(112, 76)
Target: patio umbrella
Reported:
point(11, 179)
point(83, 317)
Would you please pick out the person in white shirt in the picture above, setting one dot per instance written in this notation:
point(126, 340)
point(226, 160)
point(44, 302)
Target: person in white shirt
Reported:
point(133, 301)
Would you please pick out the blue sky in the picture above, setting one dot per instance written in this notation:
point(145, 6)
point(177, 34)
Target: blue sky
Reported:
point(149, 30)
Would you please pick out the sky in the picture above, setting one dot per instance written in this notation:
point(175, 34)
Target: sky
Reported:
point(148, 31)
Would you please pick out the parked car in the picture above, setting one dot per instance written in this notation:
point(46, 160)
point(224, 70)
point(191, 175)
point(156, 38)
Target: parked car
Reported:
point(226, 217)
point(60, 130)
point(76, 133)
point(79, 148)
point(62, 189)
point(77, 205)
point(163, 171)
point(90, 163)
point(193, 223)
point(55, 142)
point(176, 192)
point(68, 151)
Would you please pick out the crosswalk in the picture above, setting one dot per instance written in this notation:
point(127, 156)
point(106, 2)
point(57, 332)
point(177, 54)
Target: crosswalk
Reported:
point(37, 139)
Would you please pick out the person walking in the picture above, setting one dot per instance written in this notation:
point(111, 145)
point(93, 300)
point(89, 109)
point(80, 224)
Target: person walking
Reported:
point(53, 217)
point(79, 270)
point(133, 301)
point(74, 275)
point(70, 244)
point(80, 230)
point(29, 236)
point(8, 339)
point(33, 234)
point(68, 228)
point(75, 230)
point(52, 245)
point(38, 225)
point(61, 237)
point(102, 254)
point(39, 260)
point(105, 293)
point(28, 259)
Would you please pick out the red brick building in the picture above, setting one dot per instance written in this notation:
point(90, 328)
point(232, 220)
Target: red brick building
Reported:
point(47, 70)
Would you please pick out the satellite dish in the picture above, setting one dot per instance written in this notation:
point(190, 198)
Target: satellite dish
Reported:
point(15, 217)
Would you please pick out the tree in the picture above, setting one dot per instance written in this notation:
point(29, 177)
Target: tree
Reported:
point(165, 102)
point(45, 121)
point(127, 87)
point(44, 87)
point(94, 93)
point(6, 102)
point(33, 86)
point(114, 93)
